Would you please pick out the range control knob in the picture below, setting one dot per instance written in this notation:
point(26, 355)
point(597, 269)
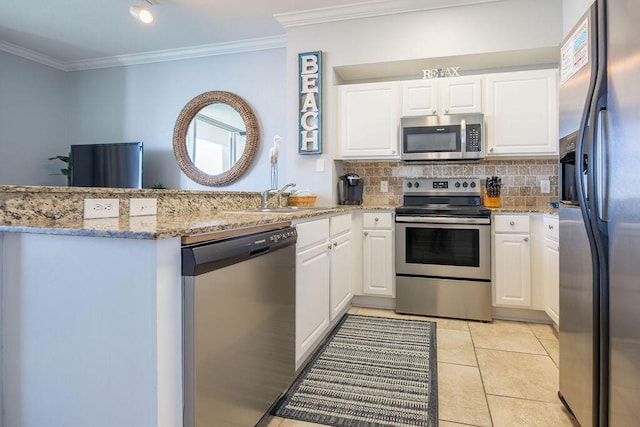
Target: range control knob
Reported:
point(409, 185)
point(457, 184)
point(416, 184)
point(465, 184)
point(473, 184)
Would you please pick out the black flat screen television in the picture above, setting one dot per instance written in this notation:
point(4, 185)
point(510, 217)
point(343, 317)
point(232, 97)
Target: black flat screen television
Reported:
point(116, 165)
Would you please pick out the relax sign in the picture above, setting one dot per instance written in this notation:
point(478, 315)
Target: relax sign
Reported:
point(310, 102)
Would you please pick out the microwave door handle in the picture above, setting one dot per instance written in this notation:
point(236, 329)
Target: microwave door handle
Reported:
point(463, 136)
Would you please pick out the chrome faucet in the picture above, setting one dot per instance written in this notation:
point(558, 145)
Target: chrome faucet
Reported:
point(266, 201)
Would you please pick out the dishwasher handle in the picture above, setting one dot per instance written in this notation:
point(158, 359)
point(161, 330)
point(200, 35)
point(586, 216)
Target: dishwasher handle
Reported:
point(208, 256)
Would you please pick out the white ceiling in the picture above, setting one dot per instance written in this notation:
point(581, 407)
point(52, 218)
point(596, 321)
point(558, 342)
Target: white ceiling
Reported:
point(80, 34)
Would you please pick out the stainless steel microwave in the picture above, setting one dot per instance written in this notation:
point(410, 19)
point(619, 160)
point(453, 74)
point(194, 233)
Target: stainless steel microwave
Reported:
point(449, 137)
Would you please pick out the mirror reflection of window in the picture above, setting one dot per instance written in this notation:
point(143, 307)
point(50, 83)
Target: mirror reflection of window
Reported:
point(214, 146)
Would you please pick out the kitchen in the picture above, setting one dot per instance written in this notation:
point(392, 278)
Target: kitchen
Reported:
point(145, 121)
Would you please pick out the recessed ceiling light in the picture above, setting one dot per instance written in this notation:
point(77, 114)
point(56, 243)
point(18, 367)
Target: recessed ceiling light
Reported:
point(142, 13)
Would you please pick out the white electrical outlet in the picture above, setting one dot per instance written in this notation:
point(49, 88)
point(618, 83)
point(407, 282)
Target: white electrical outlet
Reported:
point(101, 208)
point(140, 207)
point(320, 165)
point(545, 186)
point(384, 186)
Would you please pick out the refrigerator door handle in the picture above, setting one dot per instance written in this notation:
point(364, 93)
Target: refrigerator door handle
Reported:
point(601, 163)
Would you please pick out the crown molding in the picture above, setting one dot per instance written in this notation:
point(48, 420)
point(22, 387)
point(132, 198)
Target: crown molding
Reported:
point(31, 55)
point(367, 9)
point(149, 57)
point(180, 54)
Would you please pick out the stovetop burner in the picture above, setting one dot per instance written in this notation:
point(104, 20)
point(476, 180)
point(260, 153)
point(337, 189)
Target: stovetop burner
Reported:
point(459, 197)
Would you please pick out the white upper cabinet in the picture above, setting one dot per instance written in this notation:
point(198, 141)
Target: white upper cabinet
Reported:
point(521, 113)
point(454, 95)
point(420, 98)
point(369, 119)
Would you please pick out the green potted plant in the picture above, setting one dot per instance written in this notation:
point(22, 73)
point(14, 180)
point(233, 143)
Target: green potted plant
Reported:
point(67, 170)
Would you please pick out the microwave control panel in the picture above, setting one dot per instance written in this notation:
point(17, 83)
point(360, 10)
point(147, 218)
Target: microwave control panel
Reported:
point(473, 138)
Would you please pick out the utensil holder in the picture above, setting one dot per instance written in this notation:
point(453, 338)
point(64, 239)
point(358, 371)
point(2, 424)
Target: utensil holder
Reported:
point(490, 202)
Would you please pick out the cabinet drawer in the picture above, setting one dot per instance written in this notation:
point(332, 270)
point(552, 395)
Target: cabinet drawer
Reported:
point(312, 232)
point(551, 227)
point(511, 223)
point(377, 220)
point(340, 224)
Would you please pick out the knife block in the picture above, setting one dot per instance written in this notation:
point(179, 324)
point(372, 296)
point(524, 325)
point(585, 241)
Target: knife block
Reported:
point(490, 202)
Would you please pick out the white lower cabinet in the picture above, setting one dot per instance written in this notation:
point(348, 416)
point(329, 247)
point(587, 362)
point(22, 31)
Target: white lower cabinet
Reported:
point(341, 246)
point(512, 261)
point(323, 279)
point(551, 269)
point(313, 264)
point(378, 254)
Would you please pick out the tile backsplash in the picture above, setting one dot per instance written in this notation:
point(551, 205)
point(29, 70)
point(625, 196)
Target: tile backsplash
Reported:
point(520, 178)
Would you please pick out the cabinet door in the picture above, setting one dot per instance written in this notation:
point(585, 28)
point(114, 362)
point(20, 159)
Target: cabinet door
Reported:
point(461, 95)
point(521, 113)
point(369, 120)
point(341, 291)
point(312, 297)
point(552, 279)
point(512, 269)
point(378, 262)
point(420, 98)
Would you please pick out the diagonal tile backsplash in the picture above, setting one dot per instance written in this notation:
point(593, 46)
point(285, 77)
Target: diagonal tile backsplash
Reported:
point(520, 178)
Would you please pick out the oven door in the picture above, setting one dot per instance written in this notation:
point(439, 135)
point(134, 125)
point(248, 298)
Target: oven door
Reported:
point(445, 247)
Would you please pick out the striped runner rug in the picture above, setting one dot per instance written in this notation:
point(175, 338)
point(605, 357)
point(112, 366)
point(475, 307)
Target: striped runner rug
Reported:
point(371, 371)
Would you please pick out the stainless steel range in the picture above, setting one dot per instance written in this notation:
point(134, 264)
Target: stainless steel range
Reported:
point(443, 249)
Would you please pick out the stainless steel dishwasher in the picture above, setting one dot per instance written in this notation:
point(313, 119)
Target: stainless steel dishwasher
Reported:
point(238, 326)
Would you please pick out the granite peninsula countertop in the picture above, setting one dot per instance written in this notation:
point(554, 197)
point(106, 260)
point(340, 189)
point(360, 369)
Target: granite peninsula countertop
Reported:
point(168, 225)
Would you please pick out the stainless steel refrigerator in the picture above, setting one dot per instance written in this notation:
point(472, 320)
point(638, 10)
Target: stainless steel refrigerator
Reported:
point(600, 216)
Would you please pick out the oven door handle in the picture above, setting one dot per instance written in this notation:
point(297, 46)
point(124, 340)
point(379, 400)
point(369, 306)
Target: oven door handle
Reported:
point(442, 220)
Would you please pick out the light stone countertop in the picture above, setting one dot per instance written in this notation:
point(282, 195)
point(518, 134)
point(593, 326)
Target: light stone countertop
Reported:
point(167, 226)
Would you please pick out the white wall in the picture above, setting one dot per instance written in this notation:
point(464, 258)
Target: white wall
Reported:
point(142, 103)
point(33, 121)
point(490, 27)
point(87, 344)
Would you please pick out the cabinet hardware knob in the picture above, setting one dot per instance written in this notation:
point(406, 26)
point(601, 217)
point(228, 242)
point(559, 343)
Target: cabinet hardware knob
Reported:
point(393, 151)
point(376, 219)
point(491, 150)
point(434, 111)
point(366, 233)
point(512, 223)
point(526, 239)
point(329, 247)
point(335, 244)
point(550, 227)
point(446, 111)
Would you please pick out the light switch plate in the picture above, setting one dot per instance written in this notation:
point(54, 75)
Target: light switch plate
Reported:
point(140, 207)
point(320, 165)
point(545, 186)
point(384, 186)
point(101, 208)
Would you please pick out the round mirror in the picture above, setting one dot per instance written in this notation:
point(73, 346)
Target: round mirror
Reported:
point(215, 138)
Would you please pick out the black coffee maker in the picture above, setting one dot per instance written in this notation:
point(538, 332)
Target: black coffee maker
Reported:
point(350, 189)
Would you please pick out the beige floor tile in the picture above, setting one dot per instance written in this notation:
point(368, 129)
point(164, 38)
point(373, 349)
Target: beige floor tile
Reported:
point(272, 422)
point(296, 423)
point(455, 347)
point(542, 331)
point(444, 323)
point(553, 349)
point(508, 336)
point(521, 375)
point(450, 424)
point(510, 412)
point(461, 397)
